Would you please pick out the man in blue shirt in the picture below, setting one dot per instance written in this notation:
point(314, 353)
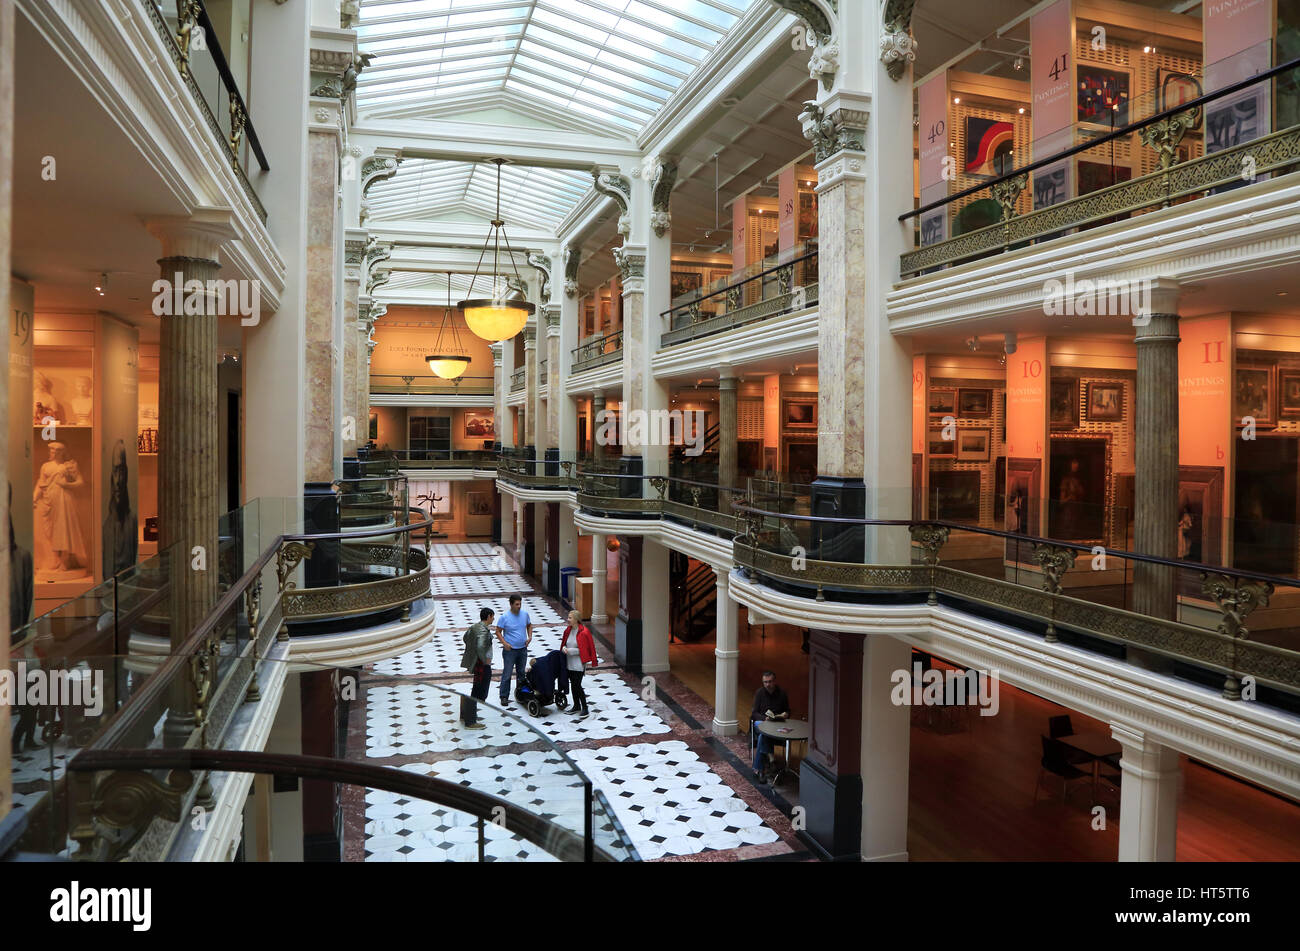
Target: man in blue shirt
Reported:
point(515, 631)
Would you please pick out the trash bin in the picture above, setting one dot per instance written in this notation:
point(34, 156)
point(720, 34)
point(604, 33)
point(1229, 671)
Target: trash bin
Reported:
point(566, 583)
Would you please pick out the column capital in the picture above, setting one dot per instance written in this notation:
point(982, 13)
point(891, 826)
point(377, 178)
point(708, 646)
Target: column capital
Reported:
point(530, 337)
point(727, 379)
point(198, 236)
point(723, 576)
point(1163, 294)
point(837, 125)
point(631, 267)
point(551, 314)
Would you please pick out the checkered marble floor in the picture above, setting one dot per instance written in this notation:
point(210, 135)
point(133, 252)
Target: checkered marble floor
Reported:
point(498, 584)
point(33, 766)
point(472, 564)
point(461, 613)
point(669, 801)
point(441, 654)
point(460, 549)
point(415, 719)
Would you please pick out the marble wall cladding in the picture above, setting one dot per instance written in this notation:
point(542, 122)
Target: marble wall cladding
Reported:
point(556, 382)
point(841, 337)
point(531, 416)
point(320, 353)
point(351, 370)
point(634, 364)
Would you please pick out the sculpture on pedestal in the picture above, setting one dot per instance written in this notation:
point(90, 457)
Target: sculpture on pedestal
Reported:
point(55, 499)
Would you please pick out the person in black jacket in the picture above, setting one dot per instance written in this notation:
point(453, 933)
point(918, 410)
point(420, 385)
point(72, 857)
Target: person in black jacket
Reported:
point(770, 703)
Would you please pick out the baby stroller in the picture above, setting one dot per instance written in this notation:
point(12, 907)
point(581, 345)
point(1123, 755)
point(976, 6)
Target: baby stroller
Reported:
point(546, 682)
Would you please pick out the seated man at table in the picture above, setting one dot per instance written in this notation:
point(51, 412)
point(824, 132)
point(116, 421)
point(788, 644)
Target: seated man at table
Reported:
point(770, 703)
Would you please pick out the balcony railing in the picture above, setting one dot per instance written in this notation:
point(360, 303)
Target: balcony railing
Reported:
point(542, 373)
point(443, 458)
point(783, 285)
point(207, 73)
point(518, 378)
point(598, 351)
point(430, 385)
point(1174, 182)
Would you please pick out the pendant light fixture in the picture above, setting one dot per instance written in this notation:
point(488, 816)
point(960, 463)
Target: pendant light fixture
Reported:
point(504, 314)
point(449, 359)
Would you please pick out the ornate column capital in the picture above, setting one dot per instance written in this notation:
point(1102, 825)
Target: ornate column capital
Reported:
point(530, 337)
point(631, 268)
point(378, 167)
point(496, 354)
point(551, 313)
point(839, 128)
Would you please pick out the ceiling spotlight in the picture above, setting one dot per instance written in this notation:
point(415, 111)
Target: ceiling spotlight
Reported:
point(956, 100)
point(1022, 110)
point(1018, 63)
point(100, 285)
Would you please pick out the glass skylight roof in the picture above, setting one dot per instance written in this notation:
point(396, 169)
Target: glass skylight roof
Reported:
point(599, 65)
point(532, 198)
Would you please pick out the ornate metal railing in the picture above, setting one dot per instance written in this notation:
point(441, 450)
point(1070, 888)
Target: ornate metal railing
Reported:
point(780, 288)
point(444, 458)
point(1039, 596)
point(542, 374)
point(685, 501)
point(1172, 181)
point(389, 384)
point(539, 473)
point(189, 697)
point(598, 351)
point(235, 130)
point(518, 378)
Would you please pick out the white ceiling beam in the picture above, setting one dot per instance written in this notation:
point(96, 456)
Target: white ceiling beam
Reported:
point(476, 142)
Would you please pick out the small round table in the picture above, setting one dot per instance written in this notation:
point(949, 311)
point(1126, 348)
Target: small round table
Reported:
point(785, 731)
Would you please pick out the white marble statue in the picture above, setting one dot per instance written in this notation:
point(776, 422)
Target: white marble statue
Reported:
point(55, 499)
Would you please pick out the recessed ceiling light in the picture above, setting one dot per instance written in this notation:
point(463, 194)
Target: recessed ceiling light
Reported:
point(956, 99)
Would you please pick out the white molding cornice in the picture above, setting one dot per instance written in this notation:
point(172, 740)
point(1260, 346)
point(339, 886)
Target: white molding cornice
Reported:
point(789, 336)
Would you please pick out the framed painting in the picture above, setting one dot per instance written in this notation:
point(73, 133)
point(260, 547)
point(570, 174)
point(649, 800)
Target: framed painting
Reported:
point(1102, 95)
point(976, 403)
point(685, 282)
point(990, 146)
point(955, 495)
point(1175, 88)
point(1079, 488)
point(799, 414)
point(943, 403)
point(1105, 402)
point(1288, 394)
point(478, 503)
point(1200, 517)
point(941, 448)
point(479, 425)
point(1063, 405)
point(973, 445)
point(1253, 391)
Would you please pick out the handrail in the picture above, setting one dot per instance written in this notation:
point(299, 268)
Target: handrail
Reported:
point(160, 681)
point(485, 806)
point(1283, 580)
point(745, 280)
point(232, 88)
point(1107, 137)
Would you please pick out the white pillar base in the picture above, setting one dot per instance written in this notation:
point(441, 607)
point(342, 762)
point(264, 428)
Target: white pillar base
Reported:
point(1148, 805)
point(599, 619)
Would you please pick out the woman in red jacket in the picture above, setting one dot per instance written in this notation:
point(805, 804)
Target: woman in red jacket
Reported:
point(579, 655)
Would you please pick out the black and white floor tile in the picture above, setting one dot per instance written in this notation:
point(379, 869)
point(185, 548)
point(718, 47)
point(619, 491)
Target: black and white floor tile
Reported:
point(669, 800)
point(461, 613)
point(460, 549)
point(415, 719)
point(441, 654)
point(470, 564)
point(496, 584)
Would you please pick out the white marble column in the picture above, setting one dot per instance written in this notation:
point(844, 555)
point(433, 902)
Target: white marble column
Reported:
point(886, 748)
point(534, 423)
point(506, 431)
point(508, 520)
point(654, 607)
point(1148, 800)
point(555, 397)
point(599, 576)
point(727, 660)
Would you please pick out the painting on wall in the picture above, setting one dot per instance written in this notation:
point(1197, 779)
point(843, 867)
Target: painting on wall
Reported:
point(1232, 123)
point(990, 144)
point(1103, 95)
point(1078, 488)
point(1105, 402)
point(1253, 394)
point(932, 227)
point(943, 403)
point(479, 425)
point(684, 282)
point(977, 403)
point(799, 414)
point(478, 503)
point(955, 495)
point(1023, 476)
point(373, 431)
point(941, 448)
point(1049, 186)
point(1265, 508)
point(1063, 407)
point(973, 445)
point(1200, 515)
point(1288, 390)
point(1094, 176)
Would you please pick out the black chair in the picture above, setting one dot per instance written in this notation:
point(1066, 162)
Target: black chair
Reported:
point(1055, 762)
